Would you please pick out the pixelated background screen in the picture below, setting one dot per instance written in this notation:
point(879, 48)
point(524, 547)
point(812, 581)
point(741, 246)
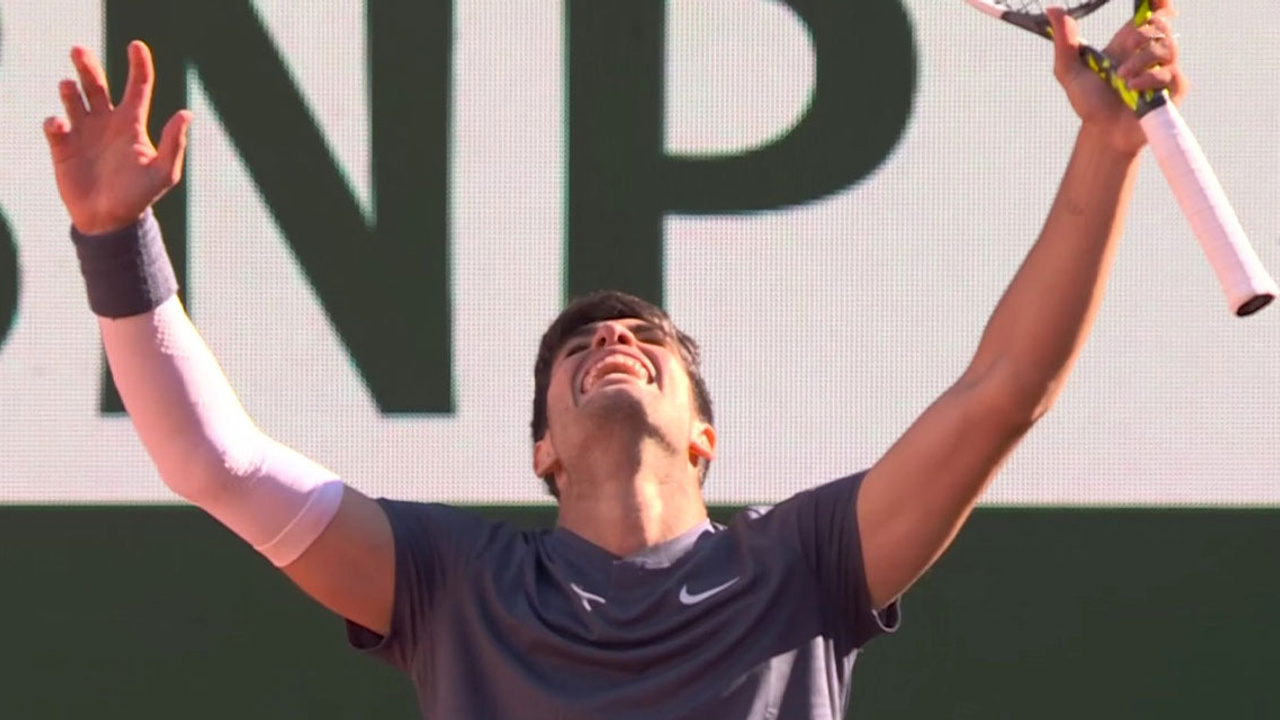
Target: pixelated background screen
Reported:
point(831, 204)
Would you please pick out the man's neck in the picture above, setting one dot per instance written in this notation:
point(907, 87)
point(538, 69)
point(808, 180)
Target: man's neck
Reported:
point(625, 515)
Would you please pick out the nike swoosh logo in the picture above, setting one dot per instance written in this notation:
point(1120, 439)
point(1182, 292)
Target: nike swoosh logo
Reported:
point(688, 598)
point(586, 597)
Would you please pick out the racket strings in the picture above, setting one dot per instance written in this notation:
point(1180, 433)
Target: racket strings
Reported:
point(1026, 7)
point(1035, 7)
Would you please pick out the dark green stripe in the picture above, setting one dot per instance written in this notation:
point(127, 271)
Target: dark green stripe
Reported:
point(158, 612)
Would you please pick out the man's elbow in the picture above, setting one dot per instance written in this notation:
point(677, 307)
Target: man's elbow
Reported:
point(1011, 398)
point(204, 470)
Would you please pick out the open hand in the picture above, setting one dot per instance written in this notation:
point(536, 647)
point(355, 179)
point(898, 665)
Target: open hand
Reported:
point(107, 170)
point(1146, 57)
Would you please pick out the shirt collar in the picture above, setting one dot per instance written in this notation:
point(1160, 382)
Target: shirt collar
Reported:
point(662, 555)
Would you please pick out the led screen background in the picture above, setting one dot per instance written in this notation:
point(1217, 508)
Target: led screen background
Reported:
point(827, 324)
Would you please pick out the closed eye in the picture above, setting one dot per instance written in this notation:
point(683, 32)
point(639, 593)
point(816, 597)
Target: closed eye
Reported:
point(652, 336)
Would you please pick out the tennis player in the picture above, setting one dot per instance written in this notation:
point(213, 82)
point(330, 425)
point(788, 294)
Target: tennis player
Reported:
point(635, 605)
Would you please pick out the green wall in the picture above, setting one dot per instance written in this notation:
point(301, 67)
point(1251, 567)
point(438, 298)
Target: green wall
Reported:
point(159, 612)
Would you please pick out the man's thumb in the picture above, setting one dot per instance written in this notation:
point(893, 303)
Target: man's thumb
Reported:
point(1066, 38)
point(173, 145)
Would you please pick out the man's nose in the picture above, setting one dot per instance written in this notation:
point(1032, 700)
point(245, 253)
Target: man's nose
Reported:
point(613, 333)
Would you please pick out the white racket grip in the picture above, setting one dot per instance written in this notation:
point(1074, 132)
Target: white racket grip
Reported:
point(1245, 281)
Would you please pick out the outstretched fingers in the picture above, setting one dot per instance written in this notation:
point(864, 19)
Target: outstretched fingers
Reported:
point(56, 130)
point(142, 75)
point(93, 79)
point(72, 103)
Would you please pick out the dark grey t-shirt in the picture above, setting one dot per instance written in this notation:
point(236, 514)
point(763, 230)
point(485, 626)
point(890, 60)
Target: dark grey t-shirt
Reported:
point(759, 619)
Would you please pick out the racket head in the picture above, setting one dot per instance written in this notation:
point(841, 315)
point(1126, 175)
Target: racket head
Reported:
point(1030, 14)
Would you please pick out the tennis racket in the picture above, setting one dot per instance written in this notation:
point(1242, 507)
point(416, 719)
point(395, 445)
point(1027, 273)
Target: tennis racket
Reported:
point(1247, 285)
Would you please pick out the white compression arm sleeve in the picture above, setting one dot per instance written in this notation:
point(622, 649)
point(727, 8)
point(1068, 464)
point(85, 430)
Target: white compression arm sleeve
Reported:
point(204, 444)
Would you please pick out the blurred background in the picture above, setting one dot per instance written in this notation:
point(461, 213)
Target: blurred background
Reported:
point(386, 203)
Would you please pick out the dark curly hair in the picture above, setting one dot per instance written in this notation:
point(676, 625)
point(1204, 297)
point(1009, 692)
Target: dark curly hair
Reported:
point(597, 307)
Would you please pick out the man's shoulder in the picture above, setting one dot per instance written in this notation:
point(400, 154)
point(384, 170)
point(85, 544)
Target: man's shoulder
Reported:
point(465, 529)
point(832, 491)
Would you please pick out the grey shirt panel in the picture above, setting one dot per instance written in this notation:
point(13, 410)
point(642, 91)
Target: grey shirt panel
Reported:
point(759, 619)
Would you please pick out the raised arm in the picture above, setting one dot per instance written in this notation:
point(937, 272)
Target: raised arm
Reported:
point(917, 496)
point(335, 543)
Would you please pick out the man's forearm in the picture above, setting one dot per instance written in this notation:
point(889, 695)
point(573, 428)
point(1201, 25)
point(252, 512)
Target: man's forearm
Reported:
point(205, 446)
point(1041, 322)
point(916, 497)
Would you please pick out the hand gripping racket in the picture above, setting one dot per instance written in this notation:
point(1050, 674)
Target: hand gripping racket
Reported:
point(1247, 285)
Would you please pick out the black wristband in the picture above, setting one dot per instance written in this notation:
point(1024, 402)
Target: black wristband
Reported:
point(126, 272)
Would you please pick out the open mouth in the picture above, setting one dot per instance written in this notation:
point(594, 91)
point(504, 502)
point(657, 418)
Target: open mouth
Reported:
point(615, 366)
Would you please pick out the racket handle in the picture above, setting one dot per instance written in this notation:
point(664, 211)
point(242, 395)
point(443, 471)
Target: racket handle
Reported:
point(1245, 281)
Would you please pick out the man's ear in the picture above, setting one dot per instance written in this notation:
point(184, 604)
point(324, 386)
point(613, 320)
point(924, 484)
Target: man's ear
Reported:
point(702, 444)
point(545, 460)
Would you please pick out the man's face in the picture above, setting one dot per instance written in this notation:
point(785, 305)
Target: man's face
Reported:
point(620, 376)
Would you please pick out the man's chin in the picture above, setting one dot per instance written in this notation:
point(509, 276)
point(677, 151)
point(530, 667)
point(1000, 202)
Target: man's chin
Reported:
point(609, 389)
point(617, 405)
point(611, 395)
point(620, 410)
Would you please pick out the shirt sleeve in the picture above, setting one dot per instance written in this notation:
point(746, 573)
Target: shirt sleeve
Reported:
point(434, 544)
point(822, 525)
